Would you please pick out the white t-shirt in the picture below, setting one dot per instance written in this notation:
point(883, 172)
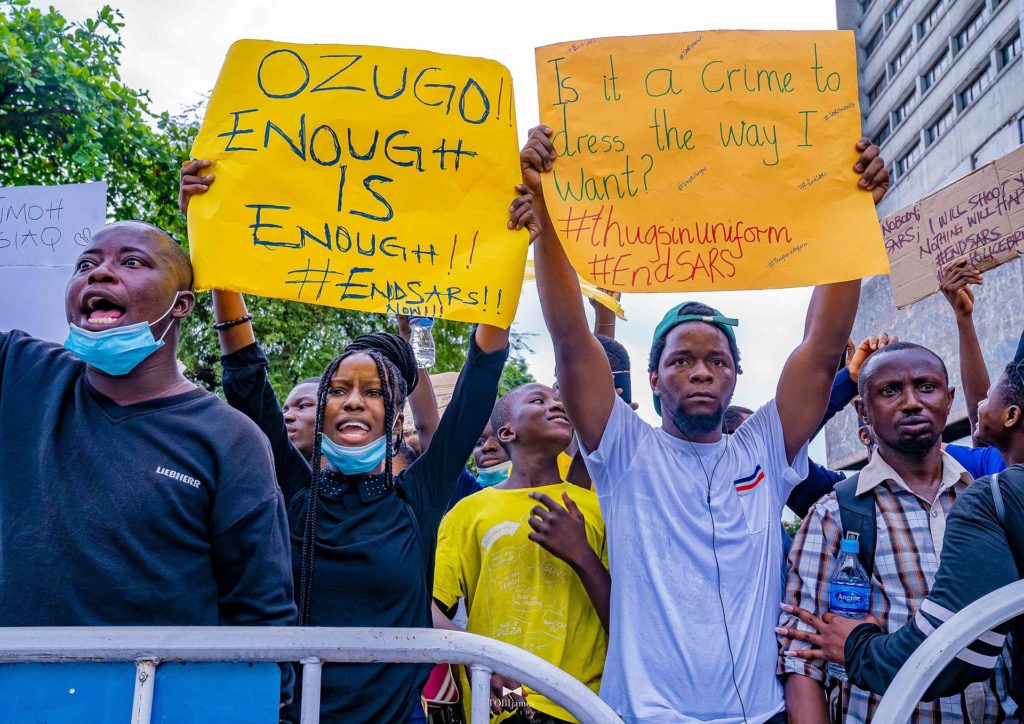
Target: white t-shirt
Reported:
point(668, 655)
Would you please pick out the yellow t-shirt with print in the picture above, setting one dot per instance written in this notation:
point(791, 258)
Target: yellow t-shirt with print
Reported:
point(564, 463)
point(515, 590)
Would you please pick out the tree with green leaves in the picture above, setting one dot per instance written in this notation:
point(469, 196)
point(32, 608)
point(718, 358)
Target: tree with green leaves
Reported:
point(66, 116)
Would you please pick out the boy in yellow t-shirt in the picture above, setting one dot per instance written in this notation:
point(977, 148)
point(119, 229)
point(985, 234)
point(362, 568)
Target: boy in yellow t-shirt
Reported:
point(533, 575)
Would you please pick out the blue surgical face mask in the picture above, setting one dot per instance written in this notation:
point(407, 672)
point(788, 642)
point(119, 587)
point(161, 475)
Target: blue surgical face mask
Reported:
point(488, 477)
point(354, 460)
point(119, 350)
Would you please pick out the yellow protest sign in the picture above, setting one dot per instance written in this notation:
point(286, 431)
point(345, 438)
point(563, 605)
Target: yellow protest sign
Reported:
point(708, 161)
point(366, 178)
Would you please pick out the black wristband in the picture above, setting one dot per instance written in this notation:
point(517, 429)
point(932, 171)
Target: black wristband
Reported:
point(233, 322)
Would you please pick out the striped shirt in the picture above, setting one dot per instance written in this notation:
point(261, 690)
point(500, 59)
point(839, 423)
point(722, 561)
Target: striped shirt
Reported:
point(908, 544)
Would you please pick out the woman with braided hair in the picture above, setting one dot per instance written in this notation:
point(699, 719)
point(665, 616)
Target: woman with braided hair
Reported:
point(363, 553)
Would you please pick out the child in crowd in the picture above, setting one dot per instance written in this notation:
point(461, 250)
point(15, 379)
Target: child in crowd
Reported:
point(533, 575)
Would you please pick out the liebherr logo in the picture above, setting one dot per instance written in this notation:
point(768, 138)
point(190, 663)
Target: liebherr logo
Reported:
point(181, 477)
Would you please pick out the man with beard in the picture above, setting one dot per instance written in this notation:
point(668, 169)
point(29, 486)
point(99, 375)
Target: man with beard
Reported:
point(129, 496)
point(984, 551)
point(905, 398)
point(692, 514)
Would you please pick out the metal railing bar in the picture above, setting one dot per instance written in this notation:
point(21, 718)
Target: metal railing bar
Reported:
point(942, 646)
point(481, 688)
point(145, 684)
point(309, 710)
point(279, 644)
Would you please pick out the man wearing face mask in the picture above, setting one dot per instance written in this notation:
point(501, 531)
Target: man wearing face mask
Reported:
point(130, 496)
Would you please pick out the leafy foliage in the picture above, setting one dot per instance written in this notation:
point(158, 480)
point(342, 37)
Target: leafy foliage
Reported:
point(67, 117)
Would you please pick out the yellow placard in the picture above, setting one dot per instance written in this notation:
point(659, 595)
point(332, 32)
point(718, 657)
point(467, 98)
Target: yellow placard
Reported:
point(366, 178)
point(711, 160)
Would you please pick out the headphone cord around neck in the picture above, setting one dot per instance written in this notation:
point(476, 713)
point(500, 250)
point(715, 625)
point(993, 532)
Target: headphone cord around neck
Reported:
point(718, 566)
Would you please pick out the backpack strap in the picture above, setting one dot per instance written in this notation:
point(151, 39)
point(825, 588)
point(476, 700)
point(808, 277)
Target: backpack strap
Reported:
point(857, 514)
point(997, 499)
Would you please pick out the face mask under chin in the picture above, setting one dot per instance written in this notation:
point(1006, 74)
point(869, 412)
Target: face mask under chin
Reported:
point(489, 477)
point(360, 460)
point(119, 350)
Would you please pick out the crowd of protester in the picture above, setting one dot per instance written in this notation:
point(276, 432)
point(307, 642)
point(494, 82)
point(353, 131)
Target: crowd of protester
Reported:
point(647, 561)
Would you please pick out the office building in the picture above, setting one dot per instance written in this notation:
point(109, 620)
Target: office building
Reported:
point(942, 92)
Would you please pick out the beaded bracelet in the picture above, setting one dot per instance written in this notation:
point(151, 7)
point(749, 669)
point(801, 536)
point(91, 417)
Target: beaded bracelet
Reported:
point(233, 322)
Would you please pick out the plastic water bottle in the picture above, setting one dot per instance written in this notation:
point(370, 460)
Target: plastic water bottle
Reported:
point(849, 591)
point(423, 341)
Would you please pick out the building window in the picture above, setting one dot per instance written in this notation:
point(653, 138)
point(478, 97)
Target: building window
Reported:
point(933, 74)
point(970, 30)
point(940, 126)
point(876, 90)
point(903, 109)
point(882, 134)
point(894, 12)
point(901, 59)
point(927, 22)
point(906, 162)
point(1010, 50)
point(970, 94)
point(872, 45)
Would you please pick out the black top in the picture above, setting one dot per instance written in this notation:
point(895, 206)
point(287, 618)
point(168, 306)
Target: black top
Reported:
point(371, 562)
point(979, 556)
point(165, 512)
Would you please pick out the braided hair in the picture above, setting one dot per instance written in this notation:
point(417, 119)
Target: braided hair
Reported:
point(397, 369)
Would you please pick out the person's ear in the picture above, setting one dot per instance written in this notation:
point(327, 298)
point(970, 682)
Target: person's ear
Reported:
point(397, 431)
point(654, 383)
point(1011, 417)
point(861, 408)
point(183, 305)
point(506, 434)
point(952, 395)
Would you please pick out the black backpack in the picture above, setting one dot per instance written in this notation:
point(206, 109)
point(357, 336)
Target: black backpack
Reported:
point(857, 514)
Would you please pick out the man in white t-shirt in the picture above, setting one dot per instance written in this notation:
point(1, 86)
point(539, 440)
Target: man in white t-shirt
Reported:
point(691, 515)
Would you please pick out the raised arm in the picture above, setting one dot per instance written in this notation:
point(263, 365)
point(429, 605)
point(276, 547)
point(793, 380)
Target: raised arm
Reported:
point(604, 318)
point(584, 377)
point(806, 379)
point(956, 281)
point(422, 401)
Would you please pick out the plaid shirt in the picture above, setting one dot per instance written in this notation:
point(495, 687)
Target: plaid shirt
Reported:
point(907, 548)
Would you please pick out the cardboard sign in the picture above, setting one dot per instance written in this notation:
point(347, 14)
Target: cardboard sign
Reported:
point(708, 161)
point(979, 217)
point(43, 230)
point(366, 178)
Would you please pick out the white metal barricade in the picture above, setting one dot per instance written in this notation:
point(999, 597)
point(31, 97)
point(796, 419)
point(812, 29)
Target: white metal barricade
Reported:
point(312, 647)
point(942, 646)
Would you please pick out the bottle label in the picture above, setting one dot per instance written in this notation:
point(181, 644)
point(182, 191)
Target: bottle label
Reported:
point(843, 597)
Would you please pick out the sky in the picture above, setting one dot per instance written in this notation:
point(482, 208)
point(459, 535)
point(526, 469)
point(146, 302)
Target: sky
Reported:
point(175, 50)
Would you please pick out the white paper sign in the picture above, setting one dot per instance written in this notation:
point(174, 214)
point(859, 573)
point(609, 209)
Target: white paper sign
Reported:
point(43, 229)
